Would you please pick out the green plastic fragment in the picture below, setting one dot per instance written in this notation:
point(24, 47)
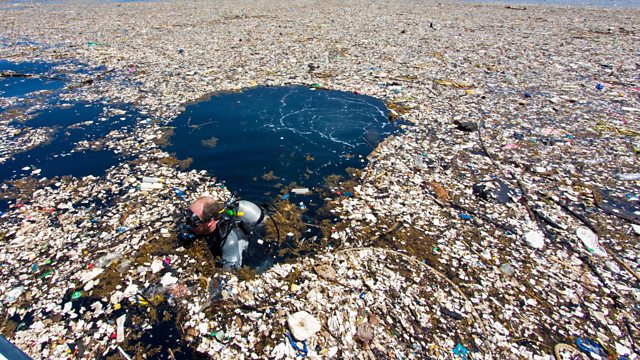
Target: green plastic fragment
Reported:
point(76, 295)
point(45, 274)
point(315, 85)
point(220, 336)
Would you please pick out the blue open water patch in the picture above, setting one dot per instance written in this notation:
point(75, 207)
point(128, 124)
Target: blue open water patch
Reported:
point(22, 78)
point(4, 205)
point(80, 122)
point(66, 123)
point(31, 67)
point(65, 116)
point(264, 136)
point(25, 85)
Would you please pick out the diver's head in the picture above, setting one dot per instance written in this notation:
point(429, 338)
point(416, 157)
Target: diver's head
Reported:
point(205, 215)
point(201, 218)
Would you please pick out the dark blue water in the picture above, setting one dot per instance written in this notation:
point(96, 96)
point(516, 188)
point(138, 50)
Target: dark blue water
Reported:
point(23, 86)
point(29, 67)
point(20, 86)
point(57, 157)
point(299, 134)
point(68, 123)
point(4, 205)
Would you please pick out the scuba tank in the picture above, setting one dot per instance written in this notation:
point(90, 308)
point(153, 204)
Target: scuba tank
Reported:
point(241, 222)
point(251, 216)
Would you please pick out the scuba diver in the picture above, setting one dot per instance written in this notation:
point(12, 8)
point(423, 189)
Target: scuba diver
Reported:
point(228, 228)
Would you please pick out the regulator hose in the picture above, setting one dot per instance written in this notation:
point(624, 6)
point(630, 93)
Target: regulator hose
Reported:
point(263, 208)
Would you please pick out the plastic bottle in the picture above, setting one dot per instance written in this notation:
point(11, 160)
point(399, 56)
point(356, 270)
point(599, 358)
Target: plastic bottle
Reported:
point(107, 259)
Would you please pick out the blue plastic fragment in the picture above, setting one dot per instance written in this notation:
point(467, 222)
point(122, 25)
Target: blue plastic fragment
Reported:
point(34, 267)
point(299, 352)
point(348, 194)
point(465, 216)
point(633, 197)
point(361, 296)
point(527, 95)
point(180, 193)
point(599, 86)
point(285, 197)
point(461, 351)
point(590, 346)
